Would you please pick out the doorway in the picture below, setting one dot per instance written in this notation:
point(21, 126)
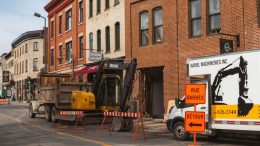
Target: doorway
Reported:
point(153, 91)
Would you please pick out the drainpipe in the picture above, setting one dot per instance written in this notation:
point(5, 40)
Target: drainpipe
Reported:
point(177, 46)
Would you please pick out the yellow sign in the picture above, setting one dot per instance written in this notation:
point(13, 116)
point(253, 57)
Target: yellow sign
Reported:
point(195, 93)
point(194, 121)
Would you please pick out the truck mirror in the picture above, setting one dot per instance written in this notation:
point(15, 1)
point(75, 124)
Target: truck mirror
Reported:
point(179, 103)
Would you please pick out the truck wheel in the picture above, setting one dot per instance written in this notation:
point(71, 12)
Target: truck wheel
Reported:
point(53, 115)
point(48, 113)
point(31, 114)
point(117, 124)
point(178, 131)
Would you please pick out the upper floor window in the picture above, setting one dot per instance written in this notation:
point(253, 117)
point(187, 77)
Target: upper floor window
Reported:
point(117, 36)
point(60, 54)
point(107, 39)
point(90, 8)
point(81, 45)
point(195, 18)
point(60, 24)
point(81, 13)
point(35, 46)
point(107, 5)
point(52, 29)
point(69, 52)
point(144, 30)
point(52, 57)
point(214, 16)
point(157, 25)
point(68, 20)
point(26, 65)
point(91, 41)
point(99, 40)
point(116, 2)
point(35, 64)
point(98, 6)
point(26, 48)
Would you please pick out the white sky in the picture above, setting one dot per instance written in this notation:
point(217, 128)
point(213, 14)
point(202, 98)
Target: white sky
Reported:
point(16, 17)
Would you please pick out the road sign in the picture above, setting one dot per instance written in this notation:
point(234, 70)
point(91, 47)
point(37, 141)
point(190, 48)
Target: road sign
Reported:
point(195, 93)
point(194, 121)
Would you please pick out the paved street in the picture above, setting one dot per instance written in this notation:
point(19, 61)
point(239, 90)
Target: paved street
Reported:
point(16, 128)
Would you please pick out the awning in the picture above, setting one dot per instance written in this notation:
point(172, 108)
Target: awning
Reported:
point(86, 70)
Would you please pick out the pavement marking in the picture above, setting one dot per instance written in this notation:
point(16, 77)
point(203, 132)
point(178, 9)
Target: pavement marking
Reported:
point(58, 133)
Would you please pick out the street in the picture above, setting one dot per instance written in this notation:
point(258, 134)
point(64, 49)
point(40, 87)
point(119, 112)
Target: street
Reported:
point(16, 128)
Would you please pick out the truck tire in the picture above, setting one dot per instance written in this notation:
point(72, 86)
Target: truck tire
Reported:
point(31, 114)
point(178, 131)
point(117, 124)
point(53, 115)
point(48, 113)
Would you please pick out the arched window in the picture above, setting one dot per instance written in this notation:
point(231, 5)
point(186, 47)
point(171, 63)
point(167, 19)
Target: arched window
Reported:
point(107, 39)
point(144, 28)
point(99, 40)
point(117, 36)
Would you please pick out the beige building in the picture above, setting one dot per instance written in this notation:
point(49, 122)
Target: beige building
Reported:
point(105, 28)
point(27, 51)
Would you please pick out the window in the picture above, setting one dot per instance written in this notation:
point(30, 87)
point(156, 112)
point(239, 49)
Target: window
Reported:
point(23, 67)
point(98, 7)
point(20, 68)
point(68, 20)
point(157, 25)
point(26, 65)
point(81, 12)
point(107, 39)
point(144, 28)
point(52, 57)
point(107, 5)
point(81, 44)
point(91, 41)
point(23, 50)
point(117, 36)
point(60, 24)
point(116, 2)
point(35, 46)
point(195, 18)
point(35, 64)
point(69, 52)
point(90, 8)
point(99, 40)
point(60, 54)
point(214, 16)
point(26, 48)
point(15, 54)
point(52, 29)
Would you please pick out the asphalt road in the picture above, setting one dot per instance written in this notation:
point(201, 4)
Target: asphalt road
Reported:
point(17, 129)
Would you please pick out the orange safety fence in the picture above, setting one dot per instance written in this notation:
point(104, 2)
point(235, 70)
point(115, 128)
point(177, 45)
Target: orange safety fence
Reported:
point(3, 101)
point(79, 116)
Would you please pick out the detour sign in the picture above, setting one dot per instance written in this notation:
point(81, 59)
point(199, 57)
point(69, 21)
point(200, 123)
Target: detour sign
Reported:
point(195, 93)
point(194, 121)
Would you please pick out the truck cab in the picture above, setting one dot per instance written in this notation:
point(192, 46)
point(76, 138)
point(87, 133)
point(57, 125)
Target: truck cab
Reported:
point(176, 115)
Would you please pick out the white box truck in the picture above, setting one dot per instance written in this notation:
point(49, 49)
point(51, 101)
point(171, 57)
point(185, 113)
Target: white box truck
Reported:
point(233, 94)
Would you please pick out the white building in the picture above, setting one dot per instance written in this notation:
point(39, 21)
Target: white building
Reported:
point(27, 50)
point(105, 28)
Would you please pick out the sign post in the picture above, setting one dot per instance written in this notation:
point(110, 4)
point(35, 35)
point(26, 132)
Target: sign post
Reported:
point(195, 121)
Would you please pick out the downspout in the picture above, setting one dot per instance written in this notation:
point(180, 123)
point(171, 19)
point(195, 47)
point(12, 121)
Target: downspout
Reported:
point(177, 47)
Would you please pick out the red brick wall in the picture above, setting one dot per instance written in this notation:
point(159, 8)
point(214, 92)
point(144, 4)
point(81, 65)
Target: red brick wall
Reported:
point(75, 31)
point(237, 17)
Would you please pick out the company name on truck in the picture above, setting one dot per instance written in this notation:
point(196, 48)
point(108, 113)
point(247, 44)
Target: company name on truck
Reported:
point(208, 63)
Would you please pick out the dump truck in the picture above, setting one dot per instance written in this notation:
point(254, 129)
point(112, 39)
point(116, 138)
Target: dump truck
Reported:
point(107, 91)
point(232, 95)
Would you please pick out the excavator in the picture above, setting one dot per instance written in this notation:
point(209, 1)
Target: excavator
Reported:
point(107, 91)
point(244, 103)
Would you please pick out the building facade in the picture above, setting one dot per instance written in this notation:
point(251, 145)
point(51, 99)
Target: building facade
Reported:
point(67, 35)
point(105, 28)
point(27, 50)
point(162, 35)
point(9, 71)
point(2, 69)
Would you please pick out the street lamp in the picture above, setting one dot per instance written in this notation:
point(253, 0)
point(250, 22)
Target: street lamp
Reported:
point(44, 43)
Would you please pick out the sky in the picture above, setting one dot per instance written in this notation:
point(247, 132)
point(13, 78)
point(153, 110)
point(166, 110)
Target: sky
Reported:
point(16, 17)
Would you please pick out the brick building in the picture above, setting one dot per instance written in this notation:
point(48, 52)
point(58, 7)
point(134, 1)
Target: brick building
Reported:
point(67, 29)
point(162, 35)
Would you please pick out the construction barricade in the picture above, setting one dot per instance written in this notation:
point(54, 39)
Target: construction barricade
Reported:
point(79, 116)
point(137, 116)
point(3, 101)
